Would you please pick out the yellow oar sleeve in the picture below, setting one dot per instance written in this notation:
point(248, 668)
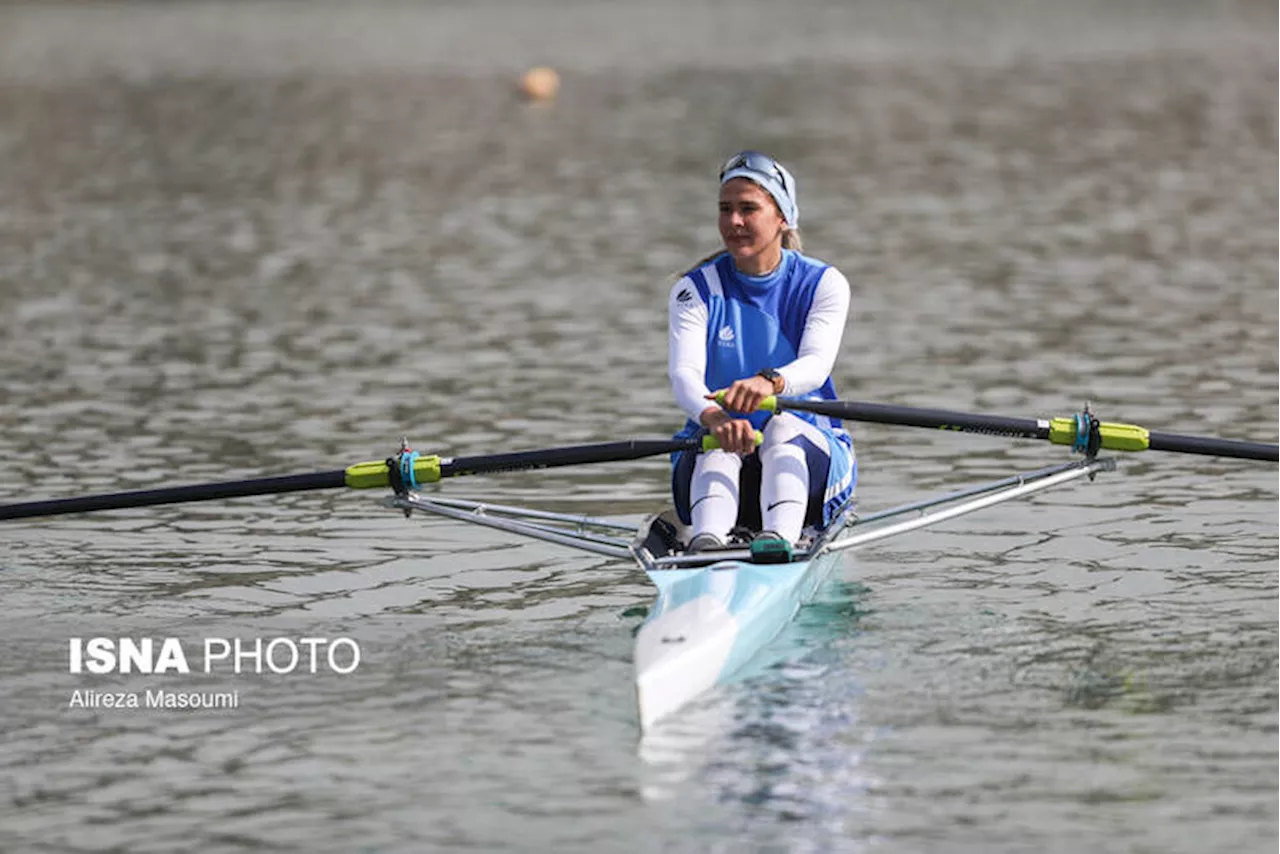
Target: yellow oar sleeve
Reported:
point(1115, 437)
point(373, 474)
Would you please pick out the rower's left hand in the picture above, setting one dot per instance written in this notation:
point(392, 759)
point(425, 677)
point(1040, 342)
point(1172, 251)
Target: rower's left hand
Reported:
point(745, 395)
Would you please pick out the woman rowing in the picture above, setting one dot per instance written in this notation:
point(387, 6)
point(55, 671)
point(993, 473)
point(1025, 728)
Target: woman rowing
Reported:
point(755, 319)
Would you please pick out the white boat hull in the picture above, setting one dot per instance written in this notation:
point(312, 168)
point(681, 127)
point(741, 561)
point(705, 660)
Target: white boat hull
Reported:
point(709, 622)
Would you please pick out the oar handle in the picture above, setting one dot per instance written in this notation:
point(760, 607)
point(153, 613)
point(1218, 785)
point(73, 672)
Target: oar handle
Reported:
point(711, 443)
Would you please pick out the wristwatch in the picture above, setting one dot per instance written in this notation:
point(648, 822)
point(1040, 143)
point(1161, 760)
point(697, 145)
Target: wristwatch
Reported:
point(778, 380)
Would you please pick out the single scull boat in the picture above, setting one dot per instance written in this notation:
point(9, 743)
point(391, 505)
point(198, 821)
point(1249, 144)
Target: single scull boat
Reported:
point(717, 610)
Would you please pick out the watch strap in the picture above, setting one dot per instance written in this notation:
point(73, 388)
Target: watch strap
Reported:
point(778, 381)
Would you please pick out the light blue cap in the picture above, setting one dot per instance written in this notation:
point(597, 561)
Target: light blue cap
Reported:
point(770, 175)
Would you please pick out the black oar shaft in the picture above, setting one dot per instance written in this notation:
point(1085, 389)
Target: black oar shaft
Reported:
point(361, 476)
point(1026, 428)
point(1214, 447)
point(575, 455)
point(909, 416)
point(175, 495)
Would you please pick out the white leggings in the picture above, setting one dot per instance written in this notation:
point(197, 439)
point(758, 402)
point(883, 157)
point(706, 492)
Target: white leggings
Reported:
point(784, 481)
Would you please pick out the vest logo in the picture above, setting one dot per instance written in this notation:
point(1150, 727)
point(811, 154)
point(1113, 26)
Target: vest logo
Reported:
point(684, 295)
point(726, 335)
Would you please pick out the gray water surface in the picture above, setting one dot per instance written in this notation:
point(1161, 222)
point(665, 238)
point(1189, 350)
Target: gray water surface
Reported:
point(248, 239)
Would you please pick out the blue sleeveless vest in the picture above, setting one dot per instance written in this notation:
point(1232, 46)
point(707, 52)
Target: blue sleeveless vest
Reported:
point(752, 325)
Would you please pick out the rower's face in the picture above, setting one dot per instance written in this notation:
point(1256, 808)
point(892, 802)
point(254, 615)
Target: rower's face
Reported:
point(750, 222)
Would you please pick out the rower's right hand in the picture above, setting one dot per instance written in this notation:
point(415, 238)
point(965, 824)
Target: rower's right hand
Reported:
point(735, 435)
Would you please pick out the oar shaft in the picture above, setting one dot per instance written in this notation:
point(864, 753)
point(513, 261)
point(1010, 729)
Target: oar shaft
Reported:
point(633, 449)
point(366, 475)
point(909, 416)
point(1213, 447)
point(175, 495)
point(1061, 431)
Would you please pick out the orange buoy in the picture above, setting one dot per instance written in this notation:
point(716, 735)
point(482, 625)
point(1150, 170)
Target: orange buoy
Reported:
point(540, 83)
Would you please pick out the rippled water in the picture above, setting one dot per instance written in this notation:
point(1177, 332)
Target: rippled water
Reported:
point(239, 240)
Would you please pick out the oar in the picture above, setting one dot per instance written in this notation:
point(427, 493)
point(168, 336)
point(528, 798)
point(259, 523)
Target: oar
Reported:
point(1060, 431)
point(367, 475)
